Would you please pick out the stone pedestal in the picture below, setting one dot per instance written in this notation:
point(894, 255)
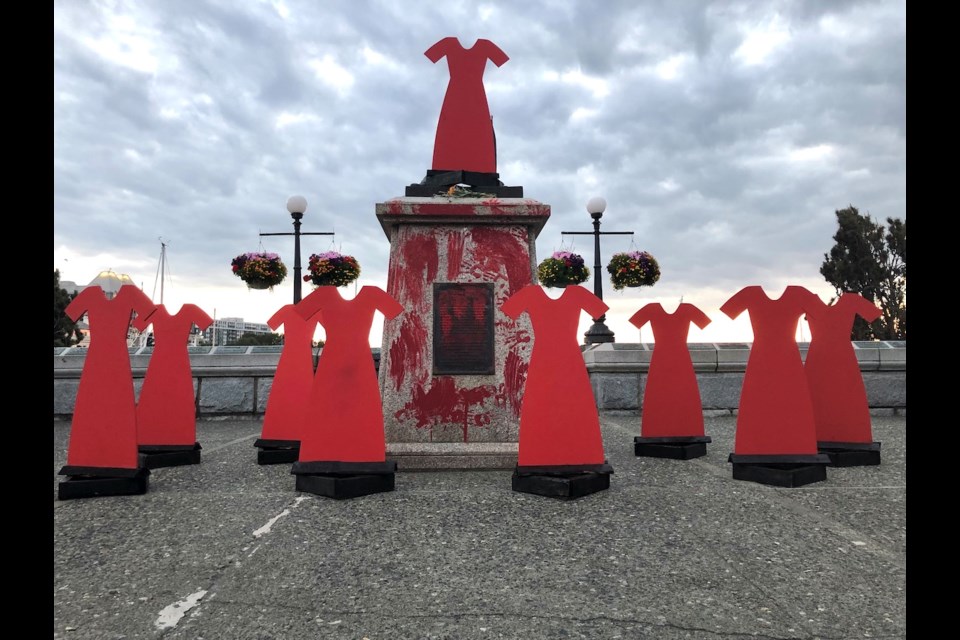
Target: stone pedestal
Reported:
point(452, 365)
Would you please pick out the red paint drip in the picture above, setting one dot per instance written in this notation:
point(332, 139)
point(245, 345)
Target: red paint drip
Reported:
point(454, 255)
point(444, 402)
point(408, 351)
point(514, 377)
point(496, 249)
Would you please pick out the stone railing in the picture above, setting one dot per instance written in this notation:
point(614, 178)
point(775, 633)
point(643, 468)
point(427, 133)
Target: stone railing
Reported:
point(235, 381)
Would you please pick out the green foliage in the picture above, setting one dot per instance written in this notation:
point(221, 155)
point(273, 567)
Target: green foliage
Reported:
point(65, 331)
point(871, 260)
point(248, 339)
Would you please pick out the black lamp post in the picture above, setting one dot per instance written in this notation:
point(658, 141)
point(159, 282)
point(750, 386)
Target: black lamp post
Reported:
point(599, 332)
point(297, 205)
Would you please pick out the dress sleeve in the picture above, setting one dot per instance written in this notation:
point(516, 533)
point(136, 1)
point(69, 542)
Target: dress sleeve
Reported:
point(517, 303)
point(198, 316)
point(589, 302)
point(643, 315)
point(141, 322)
point(79, 305)
point(385, 303)
point(138, 301)
point(863, 307)
point(438, 50)
point(696, 316)
point(739, 301)
point(493, 52)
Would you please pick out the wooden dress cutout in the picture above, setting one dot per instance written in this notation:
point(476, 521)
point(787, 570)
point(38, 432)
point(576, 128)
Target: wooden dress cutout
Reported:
point(840, 407)
point(290, 391)
point(103, 432)
point(465, 137)
point(344, 420)
point(671, 397)
point(166, 409)
point(775, 415)
point(559, 424)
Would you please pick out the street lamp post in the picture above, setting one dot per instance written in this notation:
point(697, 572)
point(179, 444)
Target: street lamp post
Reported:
point(599, 332)
point(297, 205)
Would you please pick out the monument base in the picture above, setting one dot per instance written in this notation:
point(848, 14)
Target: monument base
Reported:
point(154, 456)
point(675, 448)
point(780, 470)
point(94, 482)
point(277, 451)
point(341, 480)
point(566, 482)
point(432, 456)
point(851, 454)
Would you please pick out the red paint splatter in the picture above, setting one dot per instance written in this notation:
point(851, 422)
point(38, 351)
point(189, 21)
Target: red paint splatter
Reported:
point(443, 402)
point(514, 377)
point(454, 255)
point(408, 351)
point(496, 250)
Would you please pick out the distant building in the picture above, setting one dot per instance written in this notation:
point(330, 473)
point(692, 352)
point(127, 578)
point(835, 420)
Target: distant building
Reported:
point(224, 330)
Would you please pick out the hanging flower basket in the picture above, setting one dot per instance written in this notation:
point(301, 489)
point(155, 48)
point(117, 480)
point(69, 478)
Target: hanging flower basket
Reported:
point(633, 269)
point(561, 269)
point(332, 269)
point(259, 270)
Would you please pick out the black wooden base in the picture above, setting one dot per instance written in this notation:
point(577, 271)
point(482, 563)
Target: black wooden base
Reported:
point(437, 181)
point(340, 480)
point(155, 456)
point(780, 471)
point(851, 454)
point(94, 482)
point(676, 448)
point(277, 451)
point(563, 482)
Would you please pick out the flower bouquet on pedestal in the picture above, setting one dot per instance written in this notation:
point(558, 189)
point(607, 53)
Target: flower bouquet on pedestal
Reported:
point(332, 269)
point(259, 270)
point(561, 269)
point(633, 269)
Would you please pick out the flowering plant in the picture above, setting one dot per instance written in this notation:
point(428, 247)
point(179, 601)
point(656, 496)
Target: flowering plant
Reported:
point(259, 270)
point(633, 269)
point(561, 269)
point(332, 269)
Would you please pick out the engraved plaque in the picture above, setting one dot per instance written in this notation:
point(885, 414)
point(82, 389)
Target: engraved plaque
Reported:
point(463, 329)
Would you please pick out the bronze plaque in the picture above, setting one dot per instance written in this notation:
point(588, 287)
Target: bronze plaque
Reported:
point(463, 328)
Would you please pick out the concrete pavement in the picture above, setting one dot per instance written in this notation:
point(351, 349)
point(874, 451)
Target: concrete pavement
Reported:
point(674, 549)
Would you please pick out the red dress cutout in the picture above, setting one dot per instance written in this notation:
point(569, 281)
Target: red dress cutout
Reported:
point(559, 424)
point(775, 415)
point(344, 421)
point(290, 392)
point(465, 138)
point(103, 432)
point(840, 407)
point(671, 397)
point(166, 410)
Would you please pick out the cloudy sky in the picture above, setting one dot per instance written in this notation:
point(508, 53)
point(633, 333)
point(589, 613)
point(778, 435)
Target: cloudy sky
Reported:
point(724, 134)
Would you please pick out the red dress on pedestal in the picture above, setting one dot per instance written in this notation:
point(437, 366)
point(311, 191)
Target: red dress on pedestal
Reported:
point(671, 397)
point(290, 390)
point(559, 424)
point(775, 415)
point(166, 410)
point(465, 138)
point(344, 421)
point(840, 407)
point(103, 432)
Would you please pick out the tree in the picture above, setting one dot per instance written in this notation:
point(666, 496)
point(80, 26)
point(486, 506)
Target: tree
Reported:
point(871, 260)
point(65, 331)
point(258, 339)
